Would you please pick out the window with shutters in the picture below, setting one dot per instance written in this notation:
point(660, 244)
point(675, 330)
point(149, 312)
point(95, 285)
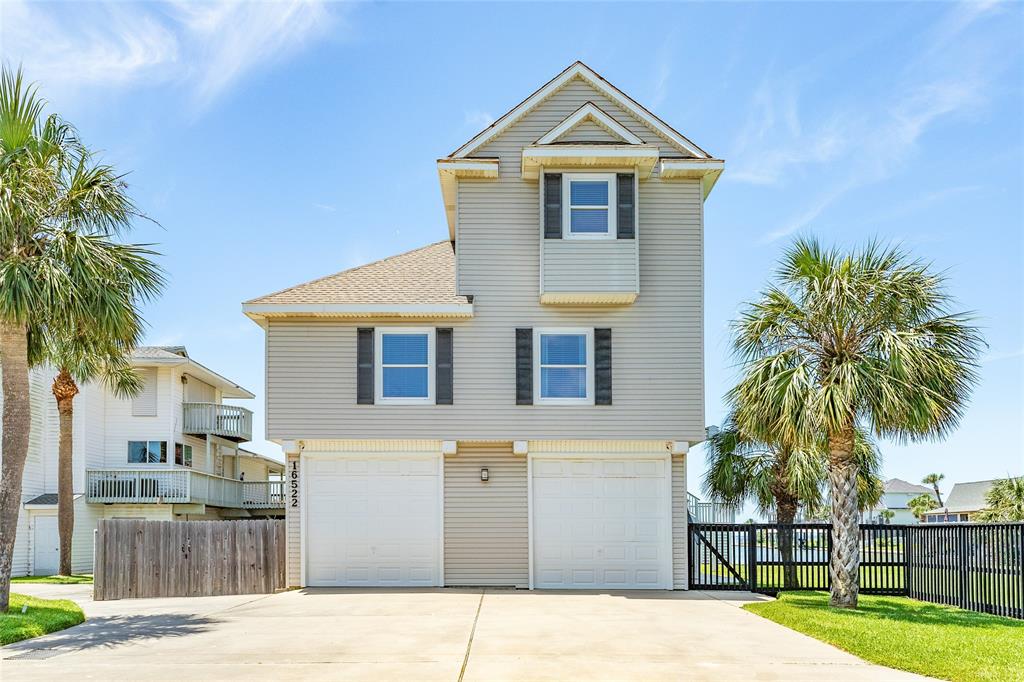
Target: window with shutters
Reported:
point(588, 206)
point(563, 366)
point(404, 373)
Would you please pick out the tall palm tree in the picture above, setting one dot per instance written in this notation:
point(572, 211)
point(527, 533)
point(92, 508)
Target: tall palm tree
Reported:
point(933, 480)
point(842, 341)
point(779, 479)
point(1004, 501)
point(59, 265)
point(81, 357)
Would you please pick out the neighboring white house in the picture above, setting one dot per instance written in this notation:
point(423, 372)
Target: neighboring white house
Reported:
point(964, 501)
point(512, 405)
point(896, 498)
point(170, 453)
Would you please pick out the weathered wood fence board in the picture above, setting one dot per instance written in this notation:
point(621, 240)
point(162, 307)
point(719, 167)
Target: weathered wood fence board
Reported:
point(188, 558)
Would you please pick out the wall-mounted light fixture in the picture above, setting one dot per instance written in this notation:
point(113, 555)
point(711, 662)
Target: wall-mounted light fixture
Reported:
point(485, 475)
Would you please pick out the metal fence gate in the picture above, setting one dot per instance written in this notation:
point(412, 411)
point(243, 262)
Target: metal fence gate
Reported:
point(977, 567)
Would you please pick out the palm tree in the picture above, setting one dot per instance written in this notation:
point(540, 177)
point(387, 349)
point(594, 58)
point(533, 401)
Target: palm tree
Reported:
point(847, 341)
point(60, 269)
point(1004, 501)
point(922, 504)
point(82, 357)
point(933, 480)
point(779, 479)
point(886, 515)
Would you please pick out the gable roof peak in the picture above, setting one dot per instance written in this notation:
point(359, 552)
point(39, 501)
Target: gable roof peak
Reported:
point(580, 70)
point(590, 112)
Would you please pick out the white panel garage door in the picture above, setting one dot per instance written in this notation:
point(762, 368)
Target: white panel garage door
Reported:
point(372, 522)
point(601, 523)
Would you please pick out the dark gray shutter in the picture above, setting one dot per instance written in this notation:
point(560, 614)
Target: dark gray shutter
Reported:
point(443, 370)
point(552, 206)
point(625, 219)
point(524, 367)
point(603, 366)
point(364, 366)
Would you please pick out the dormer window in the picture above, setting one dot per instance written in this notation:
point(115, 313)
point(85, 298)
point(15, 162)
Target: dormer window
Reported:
point(588, 200)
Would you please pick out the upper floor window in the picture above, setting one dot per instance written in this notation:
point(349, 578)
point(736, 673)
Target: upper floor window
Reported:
point(147, 452)
point(405, 369)
point(564, 370)
point(588, 205)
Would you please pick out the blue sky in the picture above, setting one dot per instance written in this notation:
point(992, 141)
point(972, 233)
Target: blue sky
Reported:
point(278, 142)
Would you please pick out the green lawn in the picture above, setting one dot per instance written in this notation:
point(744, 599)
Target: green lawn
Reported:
point(42, 616)
point(814, 576)
point(55, 579)
point(930, 639)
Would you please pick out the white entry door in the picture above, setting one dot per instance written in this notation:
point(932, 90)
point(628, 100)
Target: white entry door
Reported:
point(602, 523)
point(46, 546)
point(372, 522)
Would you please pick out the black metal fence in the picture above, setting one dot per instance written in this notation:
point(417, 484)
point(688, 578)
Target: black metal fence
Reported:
point(977, 567)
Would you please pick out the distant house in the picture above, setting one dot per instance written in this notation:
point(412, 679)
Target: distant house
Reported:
point(964, 501)
point(896, 498)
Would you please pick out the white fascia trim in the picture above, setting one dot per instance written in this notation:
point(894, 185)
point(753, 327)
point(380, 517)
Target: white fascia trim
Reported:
point(450, 169)
point(669, 167)
point(358, 310)
point(613, 93)
point(591, 151)
point(591, 111)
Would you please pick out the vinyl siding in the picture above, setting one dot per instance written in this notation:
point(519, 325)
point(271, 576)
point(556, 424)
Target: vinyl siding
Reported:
point(577, 265)
point(485, 524)
point(589, 131)
point(680, 529)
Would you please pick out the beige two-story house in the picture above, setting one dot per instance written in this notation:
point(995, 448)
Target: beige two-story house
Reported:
point(513, 404)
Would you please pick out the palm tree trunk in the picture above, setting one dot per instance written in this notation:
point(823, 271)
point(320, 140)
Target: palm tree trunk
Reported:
point(785, 513)
point(64, 391)
point(16, 423)
point(845, 563)
point(938, 495)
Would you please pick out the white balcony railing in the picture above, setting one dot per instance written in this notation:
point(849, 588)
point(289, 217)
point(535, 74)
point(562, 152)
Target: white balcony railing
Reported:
point(180, 486)
point(263, 494)
point(709, 512)
point(215, 419)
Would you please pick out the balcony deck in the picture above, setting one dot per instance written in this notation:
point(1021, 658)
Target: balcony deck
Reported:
point(215, 419)
point(142, 485)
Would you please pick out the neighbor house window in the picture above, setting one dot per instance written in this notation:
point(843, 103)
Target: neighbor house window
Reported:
point(564, 366)
point(405, 369)
point(183, 454)
point(588, 200)
point(147, 452)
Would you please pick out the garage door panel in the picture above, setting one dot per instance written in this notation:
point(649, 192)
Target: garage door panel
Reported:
point(601, 523)
point(373, 522)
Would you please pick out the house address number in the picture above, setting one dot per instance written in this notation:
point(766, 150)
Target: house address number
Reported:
point(293, 478)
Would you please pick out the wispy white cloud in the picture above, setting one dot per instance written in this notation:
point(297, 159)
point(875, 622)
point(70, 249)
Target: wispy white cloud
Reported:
point(205, 48)
point(662, 70)
point(329, 208)
point(1003, 355)
point(863, 143)
point(478, 119)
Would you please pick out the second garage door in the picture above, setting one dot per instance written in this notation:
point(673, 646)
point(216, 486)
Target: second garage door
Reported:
point(372, 522)
point(601, 523)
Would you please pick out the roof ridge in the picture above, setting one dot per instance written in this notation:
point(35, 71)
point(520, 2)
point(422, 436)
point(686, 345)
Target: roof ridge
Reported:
point(341, 272)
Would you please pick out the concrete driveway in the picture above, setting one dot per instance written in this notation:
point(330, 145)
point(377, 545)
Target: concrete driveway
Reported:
point(436, 634)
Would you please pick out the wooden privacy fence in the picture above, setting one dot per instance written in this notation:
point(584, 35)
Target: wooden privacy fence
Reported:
point(188, 558)
point(974, 566)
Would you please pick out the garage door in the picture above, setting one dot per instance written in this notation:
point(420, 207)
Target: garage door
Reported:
point(601, 523)
point(372, 522)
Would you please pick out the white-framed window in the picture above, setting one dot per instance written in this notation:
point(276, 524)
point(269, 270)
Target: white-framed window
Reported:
point(404, 372)
point(147, 452)
point(563, 366)
point(183, 454)
point(588, 206)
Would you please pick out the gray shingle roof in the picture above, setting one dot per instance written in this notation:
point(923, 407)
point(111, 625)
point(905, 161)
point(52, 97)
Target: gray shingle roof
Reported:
point(424, 276)
point(45, 498)
point(898, 485)
point(967, 497)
